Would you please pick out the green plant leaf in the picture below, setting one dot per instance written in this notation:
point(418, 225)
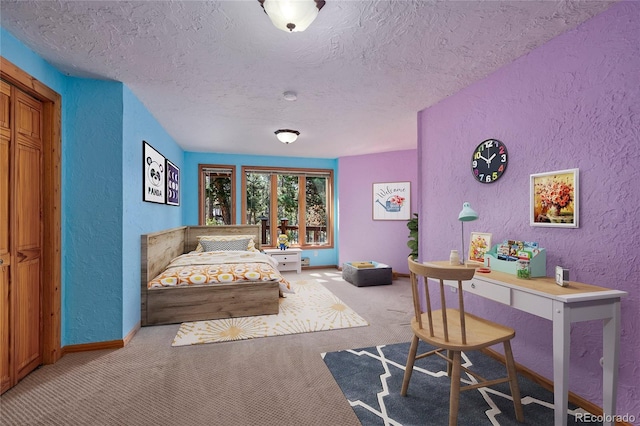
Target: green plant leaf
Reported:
point(412, 224)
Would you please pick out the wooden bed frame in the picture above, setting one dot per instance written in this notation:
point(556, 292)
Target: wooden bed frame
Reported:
point(170, 305)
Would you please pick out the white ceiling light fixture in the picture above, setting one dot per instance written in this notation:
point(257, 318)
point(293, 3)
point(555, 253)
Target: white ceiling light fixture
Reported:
point(289, 96)
point(287, 136)
point(292, 15)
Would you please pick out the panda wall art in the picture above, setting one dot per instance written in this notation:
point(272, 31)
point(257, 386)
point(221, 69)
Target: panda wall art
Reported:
point(154, 175)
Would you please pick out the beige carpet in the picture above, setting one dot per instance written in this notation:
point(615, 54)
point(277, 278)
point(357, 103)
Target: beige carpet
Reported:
point(311, 308)
point(277, 381)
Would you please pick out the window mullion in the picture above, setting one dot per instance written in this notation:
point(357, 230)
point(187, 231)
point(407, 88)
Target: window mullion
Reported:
point(274, 209)
point(302, 208)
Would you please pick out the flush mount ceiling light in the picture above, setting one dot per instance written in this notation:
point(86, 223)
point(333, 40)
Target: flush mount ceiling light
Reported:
point(289, 96)
point(292, 15)
point(287, 136)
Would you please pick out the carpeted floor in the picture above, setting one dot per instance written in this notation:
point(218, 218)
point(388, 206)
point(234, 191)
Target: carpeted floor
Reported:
point(275, 381)
point(311, 308)
point(371, 378)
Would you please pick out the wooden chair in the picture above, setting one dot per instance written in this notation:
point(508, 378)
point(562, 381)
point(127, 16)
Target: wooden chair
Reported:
point(454, 331)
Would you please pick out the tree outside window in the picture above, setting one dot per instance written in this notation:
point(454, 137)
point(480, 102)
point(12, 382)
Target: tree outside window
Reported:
point(217, 190)
point(288, 191)
point(258, 205)
point(316, 210)
point(300, 206)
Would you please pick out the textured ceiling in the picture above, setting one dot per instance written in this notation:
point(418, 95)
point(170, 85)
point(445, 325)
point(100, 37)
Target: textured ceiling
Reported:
point(213, 72)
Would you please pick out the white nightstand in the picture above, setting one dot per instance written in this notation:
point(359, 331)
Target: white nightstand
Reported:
point(288, 260)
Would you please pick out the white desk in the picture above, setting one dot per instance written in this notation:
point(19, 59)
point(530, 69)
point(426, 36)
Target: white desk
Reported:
point(562, 305)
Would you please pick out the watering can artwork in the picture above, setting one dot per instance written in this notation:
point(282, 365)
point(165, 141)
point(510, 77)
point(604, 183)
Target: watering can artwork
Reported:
point(393, 204)
point(391, 201)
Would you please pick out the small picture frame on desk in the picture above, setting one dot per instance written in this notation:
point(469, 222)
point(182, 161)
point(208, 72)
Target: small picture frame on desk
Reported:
point(479, 244)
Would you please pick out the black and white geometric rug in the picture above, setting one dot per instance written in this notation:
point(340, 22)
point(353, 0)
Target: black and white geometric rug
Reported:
point(371, 379)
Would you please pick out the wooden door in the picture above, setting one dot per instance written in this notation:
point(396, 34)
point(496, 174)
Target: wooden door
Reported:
point(21, 150)
point(27, 235)
point(5, 258)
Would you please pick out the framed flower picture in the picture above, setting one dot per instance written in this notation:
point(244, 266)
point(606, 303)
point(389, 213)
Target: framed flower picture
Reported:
point(554, 199)
point(479, 245)
point(392, 201)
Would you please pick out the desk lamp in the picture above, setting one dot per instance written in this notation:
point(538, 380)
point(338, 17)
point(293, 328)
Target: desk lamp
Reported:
point(467, 214)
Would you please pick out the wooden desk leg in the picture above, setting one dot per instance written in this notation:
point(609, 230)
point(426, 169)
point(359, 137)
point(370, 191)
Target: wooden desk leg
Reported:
point(610, 351)
point(561, 348)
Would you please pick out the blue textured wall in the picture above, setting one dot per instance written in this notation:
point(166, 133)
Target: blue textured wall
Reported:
point(93, 211)
point(103, 215)
point(12, 49)
point(141, 217)
point(190, 179)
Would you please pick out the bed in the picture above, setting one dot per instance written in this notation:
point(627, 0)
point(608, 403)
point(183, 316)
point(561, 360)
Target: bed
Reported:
point(195, 302)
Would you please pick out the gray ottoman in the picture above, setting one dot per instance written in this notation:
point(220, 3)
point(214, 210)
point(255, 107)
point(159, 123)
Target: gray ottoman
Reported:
point(380, 274)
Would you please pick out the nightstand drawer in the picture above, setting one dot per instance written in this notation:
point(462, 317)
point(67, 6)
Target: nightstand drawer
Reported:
point(283, 258)
point(289, 266)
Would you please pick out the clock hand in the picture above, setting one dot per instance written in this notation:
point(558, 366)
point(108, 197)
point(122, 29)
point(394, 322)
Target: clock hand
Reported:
point(490, 158)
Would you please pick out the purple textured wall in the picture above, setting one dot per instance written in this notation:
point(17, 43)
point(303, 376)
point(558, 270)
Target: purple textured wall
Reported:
point(361, 237)
point(572, 103)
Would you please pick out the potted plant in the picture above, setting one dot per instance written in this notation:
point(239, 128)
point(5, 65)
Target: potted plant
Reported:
point(412, 224)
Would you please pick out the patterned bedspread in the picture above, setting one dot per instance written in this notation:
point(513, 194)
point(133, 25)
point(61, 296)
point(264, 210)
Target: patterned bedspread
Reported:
point(219, 267)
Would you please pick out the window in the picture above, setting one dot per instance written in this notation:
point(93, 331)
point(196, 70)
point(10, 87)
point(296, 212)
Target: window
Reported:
point(297, 202)
point(216, 186)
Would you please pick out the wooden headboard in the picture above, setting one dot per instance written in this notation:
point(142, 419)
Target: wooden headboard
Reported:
point(159, 248)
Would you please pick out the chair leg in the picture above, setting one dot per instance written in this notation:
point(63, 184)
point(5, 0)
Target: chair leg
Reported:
point(450, 363)
point(454, 396)
point(513, 381)
point(411, 359)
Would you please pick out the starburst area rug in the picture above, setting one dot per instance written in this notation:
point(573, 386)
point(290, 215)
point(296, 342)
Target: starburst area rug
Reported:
point(311, 308)
point(371, 379)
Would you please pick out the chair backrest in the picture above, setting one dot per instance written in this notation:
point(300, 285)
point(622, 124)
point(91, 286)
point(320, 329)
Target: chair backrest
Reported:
point(421, 272)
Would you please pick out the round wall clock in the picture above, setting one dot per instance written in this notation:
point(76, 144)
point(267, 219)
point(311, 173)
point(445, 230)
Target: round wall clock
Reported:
point(489, 161)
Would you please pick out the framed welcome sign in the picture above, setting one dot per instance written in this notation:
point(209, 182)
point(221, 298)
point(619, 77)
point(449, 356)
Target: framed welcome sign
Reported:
point(392, 201)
